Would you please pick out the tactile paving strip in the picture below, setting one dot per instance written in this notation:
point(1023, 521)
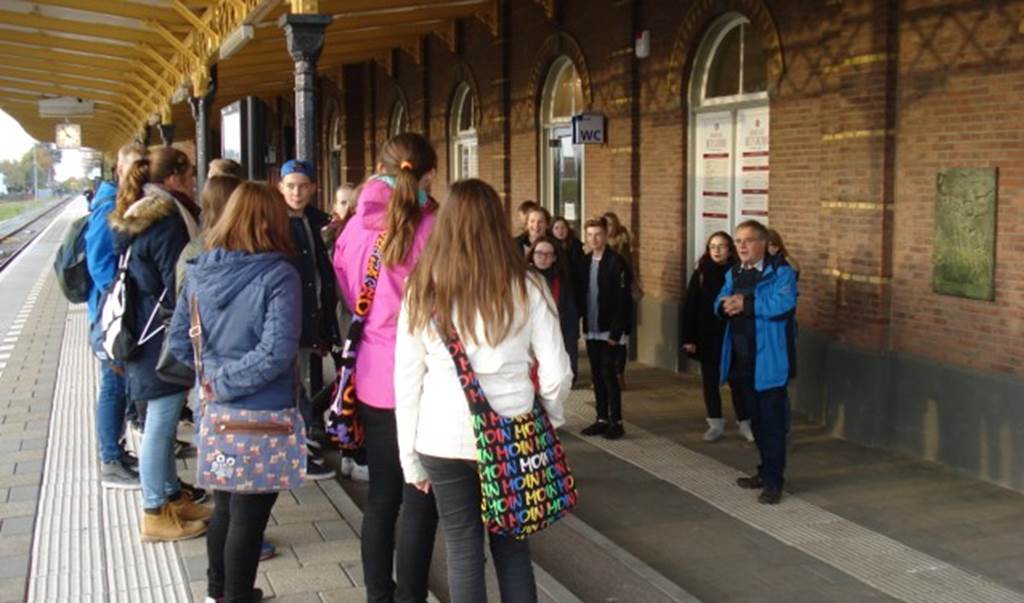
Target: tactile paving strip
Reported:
point(86, 544)
point(875, 559)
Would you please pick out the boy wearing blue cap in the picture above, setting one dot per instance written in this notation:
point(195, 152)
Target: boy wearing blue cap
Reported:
point(319, 293)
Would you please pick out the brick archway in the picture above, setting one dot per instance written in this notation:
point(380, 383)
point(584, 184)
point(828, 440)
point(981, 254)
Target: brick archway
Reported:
point(696, 22)
point(557, 45)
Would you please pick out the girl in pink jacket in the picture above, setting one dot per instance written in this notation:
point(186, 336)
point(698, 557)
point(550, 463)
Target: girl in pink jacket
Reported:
point(393, 201)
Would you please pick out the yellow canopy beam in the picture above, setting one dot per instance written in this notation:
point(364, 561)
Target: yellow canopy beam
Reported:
point(25, 75)
point(121, 8)
point(64, 59)
point(95, 30)
point(44, 40)
point(111, 76)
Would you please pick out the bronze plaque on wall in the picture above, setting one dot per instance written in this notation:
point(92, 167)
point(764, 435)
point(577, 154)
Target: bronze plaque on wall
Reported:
point(965, 232)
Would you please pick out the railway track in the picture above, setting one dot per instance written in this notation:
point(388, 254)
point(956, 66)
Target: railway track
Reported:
point(14, 242)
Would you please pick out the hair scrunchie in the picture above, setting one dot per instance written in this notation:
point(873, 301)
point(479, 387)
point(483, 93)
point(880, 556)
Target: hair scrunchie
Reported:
point(406, 165)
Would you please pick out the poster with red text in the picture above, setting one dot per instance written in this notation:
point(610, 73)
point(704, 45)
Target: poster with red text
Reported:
point(714, 176)
point(752, 167)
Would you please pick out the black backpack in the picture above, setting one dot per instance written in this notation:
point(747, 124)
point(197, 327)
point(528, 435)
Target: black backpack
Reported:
point(70, 264)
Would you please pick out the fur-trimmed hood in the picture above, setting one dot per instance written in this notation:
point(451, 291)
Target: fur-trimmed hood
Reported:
point(155, 205)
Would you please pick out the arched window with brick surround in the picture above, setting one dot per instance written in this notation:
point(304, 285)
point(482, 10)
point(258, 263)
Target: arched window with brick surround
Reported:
point(462, 134)
point(561, 160)
point(398, 121)
point(729, 131)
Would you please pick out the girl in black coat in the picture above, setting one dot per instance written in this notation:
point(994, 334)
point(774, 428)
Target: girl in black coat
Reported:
point(548, 258)
point(703, 331)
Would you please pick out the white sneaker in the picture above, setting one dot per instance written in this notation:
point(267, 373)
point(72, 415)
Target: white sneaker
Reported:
point(346, 466)
point(745, 431)
point(716, 427)
point(360, 473)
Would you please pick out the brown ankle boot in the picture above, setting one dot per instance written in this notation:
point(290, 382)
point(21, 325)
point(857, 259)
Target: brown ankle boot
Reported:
point(168, 527)
point(186, 510)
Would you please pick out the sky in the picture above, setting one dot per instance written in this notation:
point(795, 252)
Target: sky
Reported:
point(15, 141)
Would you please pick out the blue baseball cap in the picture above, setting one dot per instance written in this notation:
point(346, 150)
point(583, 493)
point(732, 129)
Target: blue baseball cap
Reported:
point(297, 166)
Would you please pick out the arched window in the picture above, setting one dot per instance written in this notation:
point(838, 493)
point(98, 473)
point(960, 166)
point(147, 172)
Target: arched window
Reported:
point(462, 132)
point(398, 122)
point(729, 133)
point(335, 144)
point(562, 161)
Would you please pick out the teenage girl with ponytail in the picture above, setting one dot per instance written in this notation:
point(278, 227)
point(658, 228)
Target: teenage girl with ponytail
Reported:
point(394, 201)
point(154, 218)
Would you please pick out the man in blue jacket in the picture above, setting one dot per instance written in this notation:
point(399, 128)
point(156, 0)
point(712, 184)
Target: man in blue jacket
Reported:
point(757, 300)
point(116, 467)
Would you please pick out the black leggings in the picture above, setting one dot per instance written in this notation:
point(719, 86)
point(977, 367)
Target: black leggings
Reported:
point(388, 495)
point(711, 373)
point(233, 542)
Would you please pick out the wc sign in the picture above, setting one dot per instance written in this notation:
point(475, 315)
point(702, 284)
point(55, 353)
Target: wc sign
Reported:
point(588, 128)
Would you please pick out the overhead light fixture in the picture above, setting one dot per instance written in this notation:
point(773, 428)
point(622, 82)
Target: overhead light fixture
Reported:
point(62, 106)
point(235, 41)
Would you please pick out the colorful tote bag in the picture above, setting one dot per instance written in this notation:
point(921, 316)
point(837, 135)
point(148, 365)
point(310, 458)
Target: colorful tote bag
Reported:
point(240, 450)
point(525, 481)
point(343, 425)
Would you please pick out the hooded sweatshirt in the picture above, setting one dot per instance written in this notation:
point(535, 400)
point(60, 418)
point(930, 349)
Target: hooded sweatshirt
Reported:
point(250, 307)
point(375, 361)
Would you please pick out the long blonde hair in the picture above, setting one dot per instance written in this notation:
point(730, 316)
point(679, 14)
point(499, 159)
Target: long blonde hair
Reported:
point(407, 157)
point(255, 220)
point(469, 265)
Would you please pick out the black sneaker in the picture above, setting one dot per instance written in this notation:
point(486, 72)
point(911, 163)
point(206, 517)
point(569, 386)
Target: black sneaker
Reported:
point(198, 495)
point(771, 495)
point(614, 432)
point(597, 428)
point(752, 482)
point(315, 471)
point(129, 460)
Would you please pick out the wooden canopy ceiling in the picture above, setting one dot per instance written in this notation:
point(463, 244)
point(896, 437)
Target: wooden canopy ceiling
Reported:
point(130, 57)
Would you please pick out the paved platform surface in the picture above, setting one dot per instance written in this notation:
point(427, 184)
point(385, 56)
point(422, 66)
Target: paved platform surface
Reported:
point(856, 525)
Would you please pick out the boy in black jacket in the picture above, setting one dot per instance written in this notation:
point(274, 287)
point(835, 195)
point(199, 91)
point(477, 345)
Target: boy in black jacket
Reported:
point(605, 315)
point(319, 291)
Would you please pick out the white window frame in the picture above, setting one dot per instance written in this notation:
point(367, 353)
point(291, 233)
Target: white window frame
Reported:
point(548, 124)
point(463, 140)
point(700, 104)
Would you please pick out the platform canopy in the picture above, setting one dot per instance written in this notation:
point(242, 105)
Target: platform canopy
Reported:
point(138, 61)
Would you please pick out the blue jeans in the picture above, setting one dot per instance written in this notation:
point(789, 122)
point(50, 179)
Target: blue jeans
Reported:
point(158, 473)
point(456, 487)
point(110, 409)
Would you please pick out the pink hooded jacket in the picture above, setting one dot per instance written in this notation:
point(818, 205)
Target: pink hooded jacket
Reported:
point(375, 361)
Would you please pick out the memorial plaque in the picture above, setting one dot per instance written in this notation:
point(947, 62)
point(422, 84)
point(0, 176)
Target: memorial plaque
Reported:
point(965, 232)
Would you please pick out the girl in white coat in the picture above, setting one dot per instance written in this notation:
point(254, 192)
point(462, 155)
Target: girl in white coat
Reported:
point(472, 276)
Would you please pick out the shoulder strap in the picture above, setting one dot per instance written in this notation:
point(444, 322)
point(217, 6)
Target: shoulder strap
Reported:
point(369, 286)
point(467, 376)
point(195, 333)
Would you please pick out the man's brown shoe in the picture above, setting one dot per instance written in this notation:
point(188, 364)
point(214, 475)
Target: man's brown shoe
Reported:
point(750, 483)
point(186, 510)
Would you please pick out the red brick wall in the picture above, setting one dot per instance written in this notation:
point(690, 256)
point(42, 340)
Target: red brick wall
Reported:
point(870, 105)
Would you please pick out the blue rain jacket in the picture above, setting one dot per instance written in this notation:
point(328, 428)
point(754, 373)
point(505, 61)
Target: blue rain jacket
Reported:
point(250, 306)
point(774, 302)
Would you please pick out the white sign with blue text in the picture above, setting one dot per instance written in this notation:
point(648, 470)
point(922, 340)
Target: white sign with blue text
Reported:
point(588, 128)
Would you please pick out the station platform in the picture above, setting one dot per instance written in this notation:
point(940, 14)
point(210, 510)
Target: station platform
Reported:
point(659, 518)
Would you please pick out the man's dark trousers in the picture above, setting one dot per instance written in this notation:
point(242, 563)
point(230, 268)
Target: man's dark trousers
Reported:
point(606, 382)
point(769, 416)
